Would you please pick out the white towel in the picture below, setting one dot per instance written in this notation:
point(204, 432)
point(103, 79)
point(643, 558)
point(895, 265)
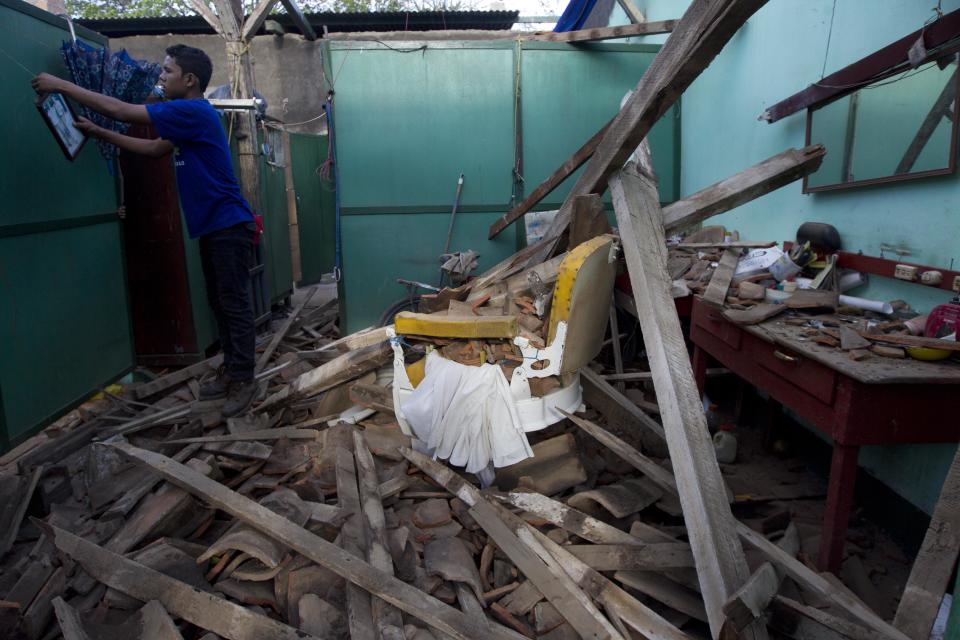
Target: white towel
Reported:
point(467, 415)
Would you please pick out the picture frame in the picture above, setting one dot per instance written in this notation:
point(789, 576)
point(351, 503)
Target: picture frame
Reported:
point(62, 122)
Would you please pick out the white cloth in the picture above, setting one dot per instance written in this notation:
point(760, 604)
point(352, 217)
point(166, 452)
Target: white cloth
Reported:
point(467, 415)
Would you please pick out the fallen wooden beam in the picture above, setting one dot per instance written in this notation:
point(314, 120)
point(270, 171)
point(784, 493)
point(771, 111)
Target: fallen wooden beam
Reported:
point(594, 385)
point(281, 332)
point(698, 37)
point(290, 433)
point(740, 188)
point(783, 607)
point(749, 601)
point(567, 518)
point(643, 557)
point(933, 567)
point(721, 566)
point(203, 609)
point(174, 378)
point(405, 597)
point(646, 376)
point(15, 508)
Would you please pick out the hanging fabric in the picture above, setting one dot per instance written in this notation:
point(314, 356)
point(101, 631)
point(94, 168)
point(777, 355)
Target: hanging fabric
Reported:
point(575, 15)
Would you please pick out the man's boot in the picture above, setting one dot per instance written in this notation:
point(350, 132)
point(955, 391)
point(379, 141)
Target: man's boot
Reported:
point(216, 388)
point(240, 396)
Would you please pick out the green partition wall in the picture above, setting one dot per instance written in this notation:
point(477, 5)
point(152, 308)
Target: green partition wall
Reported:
point(64, 321)
point(316, 204)
point(411, 116)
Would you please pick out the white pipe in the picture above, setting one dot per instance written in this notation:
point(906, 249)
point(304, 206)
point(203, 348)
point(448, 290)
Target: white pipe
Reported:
point(868, 305)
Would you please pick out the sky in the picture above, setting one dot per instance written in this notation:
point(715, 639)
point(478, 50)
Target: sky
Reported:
point(527, 8)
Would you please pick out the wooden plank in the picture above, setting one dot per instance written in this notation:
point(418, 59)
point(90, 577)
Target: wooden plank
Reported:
point(143, 583)
point(841, 626)
point(721, 566)
point(749, 184)
point(156, 624)
point(736, 244)
point(300, 20)
point(716, 294)
point(569, 166)
point(594, 384)
point(378, 551)
point(662, 589)
point(353, 539)
point(290, 433)
point(581, 35)
point(256, 19)
point(594, 584)
point(913, 341)
point(174, 378)
point(930, 575)
point(646, 376)
point(697, 38)
point(642, 557)
point(209, 16)
point(71, 626)
point(284, 327)
point(558, 589)
point(405, 597)
point(633, 12)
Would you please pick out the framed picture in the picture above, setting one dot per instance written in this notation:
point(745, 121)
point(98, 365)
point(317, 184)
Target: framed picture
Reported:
point(59, 116)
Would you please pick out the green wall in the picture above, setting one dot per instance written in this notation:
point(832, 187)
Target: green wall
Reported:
point(783, 48)
point(64, 322)
point(409, 118)
point(316, 206)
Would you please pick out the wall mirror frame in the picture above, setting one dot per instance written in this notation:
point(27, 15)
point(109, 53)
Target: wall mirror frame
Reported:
point(900, 155)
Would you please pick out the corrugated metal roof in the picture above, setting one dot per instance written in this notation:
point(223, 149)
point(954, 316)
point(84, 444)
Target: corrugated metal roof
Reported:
point(374, 21)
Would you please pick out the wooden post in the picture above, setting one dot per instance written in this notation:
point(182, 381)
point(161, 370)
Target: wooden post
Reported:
point(293, 222)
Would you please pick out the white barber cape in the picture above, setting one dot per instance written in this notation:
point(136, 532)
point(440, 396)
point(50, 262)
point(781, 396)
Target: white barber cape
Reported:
point(466, 415)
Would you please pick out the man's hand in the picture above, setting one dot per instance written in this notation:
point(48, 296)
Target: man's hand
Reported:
point(89, 128)
point(46, 83)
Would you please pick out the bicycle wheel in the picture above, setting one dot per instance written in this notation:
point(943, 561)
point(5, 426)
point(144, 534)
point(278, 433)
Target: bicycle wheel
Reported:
point(404, 304)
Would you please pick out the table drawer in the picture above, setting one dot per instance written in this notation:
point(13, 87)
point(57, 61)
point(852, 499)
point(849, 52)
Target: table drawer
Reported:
point(712, 322)
point(800, 371)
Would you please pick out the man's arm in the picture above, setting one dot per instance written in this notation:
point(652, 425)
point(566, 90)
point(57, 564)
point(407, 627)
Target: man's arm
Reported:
point(154, 148)
point(110, 107)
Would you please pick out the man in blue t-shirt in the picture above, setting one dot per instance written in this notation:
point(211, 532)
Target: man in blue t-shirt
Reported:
point(213, 207)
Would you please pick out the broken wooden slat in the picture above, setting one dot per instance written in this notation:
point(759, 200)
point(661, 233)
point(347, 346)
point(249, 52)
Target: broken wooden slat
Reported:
point(930, 575)
point(749, 184)
point(594, 385)
point(567, 518)
point(842, 627)
point(736, 244)
point(71, 626)
point(716, 294)
point(156, 624)
point(197, 607)
point(913, 341)
point(290, 433)
point(355, 570)
point(662, 589)
point(378, 553)
point(721, 566)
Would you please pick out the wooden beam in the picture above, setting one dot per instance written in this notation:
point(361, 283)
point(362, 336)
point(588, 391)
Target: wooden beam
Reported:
point(594, 384)
point(405, 597)
point(569, 166)
point(633, 557)
point(179, 376)
point(204, 11)
point(749, 601)
point(229, 20)
point(352, 536)
point(697, 38)
point(930, 575)
point(740, 188)
point(281, 331)
point(19, 501)
point(605, 33)
point(300, 20)
point(646, 376)
point(721, 566)
point(203, 609)
point(841, 627)
point(256, 19)
point(633, 12)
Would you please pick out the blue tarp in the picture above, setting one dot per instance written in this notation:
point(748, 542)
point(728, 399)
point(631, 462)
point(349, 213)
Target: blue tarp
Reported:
point(575, 15)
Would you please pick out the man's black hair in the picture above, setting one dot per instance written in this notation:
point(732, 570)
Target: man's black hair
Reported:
point(192, 60)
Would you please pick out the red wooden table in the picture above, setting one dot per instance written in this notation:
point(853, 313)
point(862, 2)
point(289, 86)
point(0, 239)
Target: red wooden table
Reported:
point(874, 401)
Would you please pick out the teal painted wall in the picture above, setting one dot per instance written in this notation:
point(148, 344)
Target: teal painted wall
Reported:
point(64, 320)
point(409, 118)
point(784, 47)
point(315, 206)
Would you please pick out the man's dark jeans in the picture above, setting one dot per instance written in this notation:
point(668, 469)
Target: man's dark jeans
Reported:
point(227, 257)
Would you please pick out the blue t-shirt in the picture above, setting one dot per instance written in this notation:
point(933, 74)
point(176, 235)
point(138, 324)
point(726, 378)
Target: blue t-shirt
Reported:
point(209, 192)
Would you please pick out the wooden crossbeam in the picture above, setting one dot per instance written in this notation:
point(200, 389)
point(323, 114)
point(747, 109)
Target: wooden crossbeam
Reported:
point(256, 18)
point(300, 20)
